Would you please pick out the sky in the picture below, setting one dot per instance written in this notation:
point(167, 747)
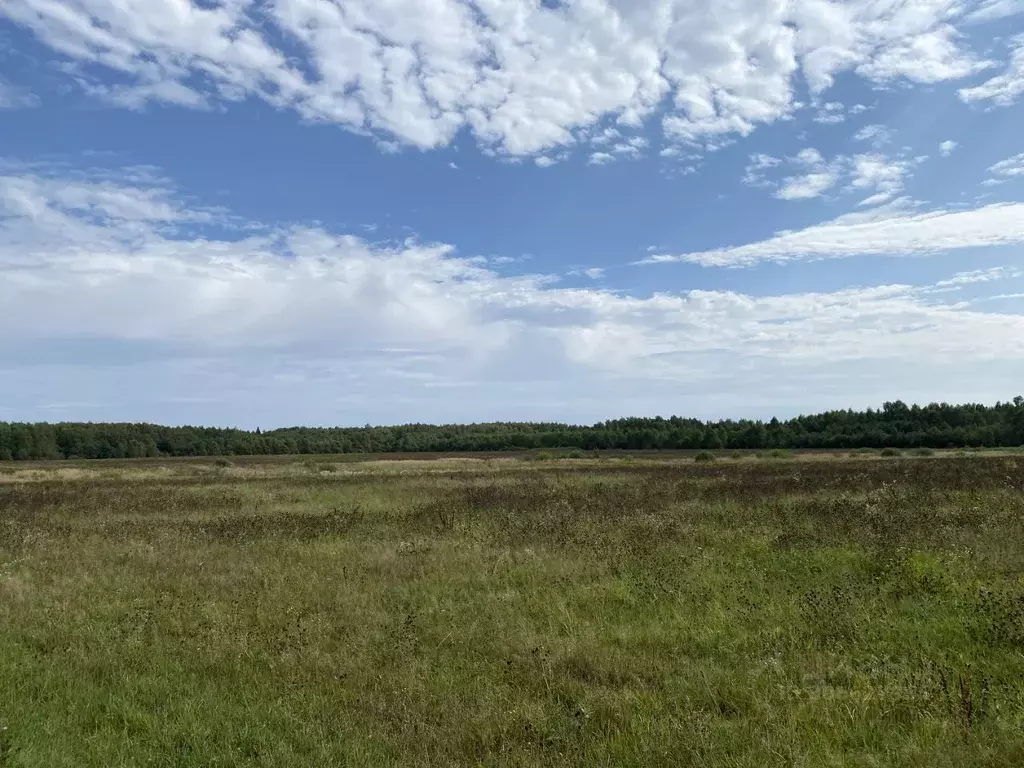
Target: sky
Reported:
point(339, 212)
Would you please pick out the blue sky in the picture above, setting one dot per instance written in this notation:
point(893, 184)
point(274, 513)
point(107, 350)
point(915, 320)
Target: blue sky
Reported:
point(240, 212)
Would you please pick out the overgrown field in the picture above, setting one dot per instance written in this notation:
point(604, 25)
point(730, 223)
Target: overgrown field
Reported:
point(854, 611)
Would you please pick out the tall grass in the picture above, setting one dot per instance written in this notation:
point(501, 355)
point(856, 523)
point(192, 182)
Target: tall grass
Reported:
point(509, 613)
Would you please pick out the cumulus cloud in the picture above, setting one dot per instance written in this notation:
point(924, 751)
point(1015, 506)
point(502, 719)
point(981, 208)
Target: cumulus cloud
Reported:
point(754, 174)
point(1011, 166)
point(946, 148)
point(631, 148)
point(876, 134)
point(886, 231)
point(607, 136)
point(992, 10)
point(1003, 89)
point(830, 113)
point(928, 57)
point(981, 276)
point(818, 178)
point(111, 285)
point(521, 76)
point(878, 174)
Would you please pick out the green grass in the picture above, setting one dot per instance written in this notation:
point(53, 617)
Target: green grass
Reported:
point(589, 612)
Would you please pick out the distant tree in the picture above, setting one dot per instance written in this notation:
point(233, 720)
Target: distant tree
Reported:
point(896, 425)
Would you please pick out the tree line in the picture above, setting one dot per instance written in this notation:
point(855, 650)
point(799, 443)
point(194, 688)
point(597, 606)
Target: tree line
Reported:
point(896, 425)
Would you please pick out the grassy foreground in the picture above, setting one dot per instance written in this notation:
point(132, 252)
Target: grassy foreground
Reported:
point(809, 612)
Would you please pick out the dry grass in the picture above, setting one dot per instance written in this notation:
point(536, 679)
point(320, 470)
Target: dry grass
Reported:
point(615, 612)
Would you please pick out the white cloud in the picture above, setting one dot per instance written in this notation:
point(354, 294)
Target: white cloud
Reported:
point(522, 77)
point(946, 148)
point(807, 186)
point(880, 174)
point(109, 288)
point(753, 175)
point(818, 179)
point(928, 57)
point(875, 173)
point(544, 161)
point(600, 158)
point(1004, 89)
point(981, 276)
point(830, 113)
point(453, 166)
point(878, 135)
point(606, 136)
point(12, 97)
point(631, 148)
point(992, 10)
point(1011, 166)
point(887, 231)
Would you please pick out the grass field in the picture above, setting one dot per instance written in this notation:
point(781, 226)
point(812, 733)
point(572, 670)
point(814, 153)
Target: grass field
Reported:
point(811, 611)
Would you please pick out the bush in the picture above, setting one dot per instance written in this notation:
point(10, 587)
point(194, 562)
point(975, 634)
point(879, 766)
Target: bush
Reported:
point(888, 452)
point(575, 454)
point(737, 455)
point(223, 463)
point(779, 453)
point(543, 456)
point(924, 452)
point(704, 456)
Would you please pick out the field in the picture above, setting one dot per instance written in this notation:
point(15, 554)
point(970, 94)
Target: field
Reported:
point(615, 611)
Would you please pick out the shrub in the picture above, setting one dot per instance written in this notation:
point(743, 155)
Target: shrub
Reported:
point(924, 452)
point(543, 456)
point(737, 455)
point(704, 456)
point(223, 463)
point(887, 452)
point(576, 453)
point(780, 453)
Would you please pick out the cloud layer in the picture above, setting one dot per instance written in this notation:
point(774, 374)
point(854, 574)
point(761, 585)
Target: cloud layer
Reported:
point(879, 176)
point(889, 230)
point(521, 76)
point(110, 275)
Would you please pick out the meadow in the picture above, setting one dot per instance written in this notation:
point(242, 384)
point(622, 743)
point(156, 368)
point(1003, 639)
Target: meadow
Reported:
point(708, 610)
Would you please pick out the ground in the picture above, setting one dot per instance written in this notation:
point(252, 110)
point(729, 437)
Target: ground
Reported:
point(847, 610)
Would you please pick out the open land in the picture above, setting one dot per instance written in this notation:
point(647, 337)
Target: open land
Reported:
point(846, 610)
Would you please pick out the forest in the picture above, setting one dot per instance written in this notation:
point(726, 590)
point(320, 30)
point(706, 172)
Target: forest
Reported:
point(896, 425)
